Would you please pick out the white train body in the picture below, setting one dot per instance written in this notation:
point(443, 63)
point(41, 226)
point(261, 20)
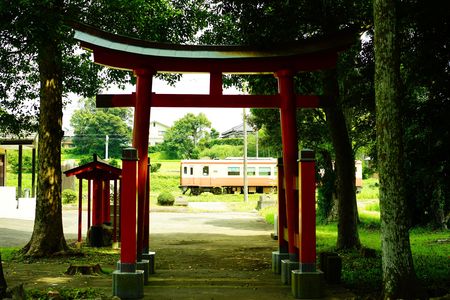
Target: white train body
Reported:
point(227, 175)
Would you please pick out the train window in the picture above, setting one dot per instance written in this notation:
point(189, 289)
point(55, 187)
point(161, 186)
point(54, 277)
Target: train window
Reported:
point(185, 170)
point(264, 171)
point(234, 171)
point(205, 171)
point(192, 170)
point(251, 171)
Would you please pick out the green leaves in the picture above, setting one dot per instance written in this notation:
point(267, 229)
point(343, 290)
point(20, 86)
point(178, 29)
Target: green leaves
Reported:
point(183, 138)
point(91, 126)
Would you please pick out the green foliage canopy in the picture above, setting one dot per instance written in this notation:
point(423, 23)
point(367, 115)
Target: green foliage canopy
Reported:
point(91, 126)
point(183, 138)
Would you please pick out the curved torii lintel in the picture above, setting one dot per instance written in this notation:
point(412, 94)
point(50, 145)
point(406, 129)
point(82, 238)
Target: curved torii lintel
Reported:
point(128, 53)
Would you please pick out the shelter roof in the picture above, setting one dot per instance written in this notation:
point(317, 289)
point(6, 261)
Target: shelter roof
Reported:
point(96, 169)
point(128, 53)
point(13, 141)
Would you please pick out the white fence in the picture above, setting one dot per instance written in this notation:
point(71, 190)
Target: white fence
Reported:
point(23, 208)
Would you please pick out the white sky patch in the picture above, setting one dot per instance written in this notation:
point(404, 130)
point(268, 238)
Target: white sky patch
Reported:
point(222, 119)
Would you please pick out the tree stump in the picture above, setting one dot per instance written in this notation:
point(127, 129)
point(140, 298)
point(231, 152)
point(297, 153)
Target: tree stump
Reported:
point(84, 269)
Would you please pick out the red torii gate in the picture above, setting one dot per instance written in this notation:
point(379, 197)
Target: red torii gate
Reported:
point(147, 58)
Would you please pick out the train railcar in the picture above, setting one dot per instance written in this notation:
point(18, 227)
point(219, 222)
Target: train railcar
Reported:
point(226, 175)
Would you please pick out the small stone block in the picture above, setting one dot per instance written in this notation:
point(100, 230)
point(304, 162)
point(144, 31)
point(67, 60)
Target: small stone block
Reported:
point(181, 201)
point(277, 257)
point(128, 285)
point(307, 285)
point(144, 266)
point(150, 256)
point(287, 266)
point(334, 270)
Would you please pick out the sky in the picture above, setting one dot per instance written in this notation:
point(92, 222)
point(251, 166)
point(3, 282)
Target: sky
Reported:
point(222, 119)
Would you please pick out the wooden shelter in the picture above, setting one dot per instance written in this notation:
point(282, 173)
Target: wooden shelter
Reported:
point(99, 175)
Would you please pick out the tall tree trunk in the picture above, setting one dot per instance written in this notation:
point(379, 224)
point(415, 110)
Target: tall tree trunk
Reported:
point(348, 237)
point(3, 285)
point(399, 279)
point(48, 237)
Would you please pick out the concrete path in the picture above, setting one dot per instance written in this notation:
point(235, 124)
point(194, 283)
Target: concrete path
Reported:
point(214, 218)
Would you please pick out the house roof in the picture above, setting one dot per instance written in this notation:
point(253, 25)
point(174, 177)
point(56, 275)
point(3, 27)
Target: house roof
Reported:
point(159, 123)
point(239, 129)
point(8, 141)
point(96, 169)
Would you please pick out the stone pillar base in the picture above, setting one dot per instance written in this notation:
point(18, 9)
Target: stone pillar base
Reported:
point(144, 266)
point(150, 256)
point(128, 285)
point(307, 285)
point(287, 266)
point(277, 257)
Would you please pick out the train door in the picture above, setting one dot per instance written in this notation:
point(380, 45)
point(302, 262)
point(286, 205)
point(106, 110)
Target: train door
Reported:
point(205, 179)
point(188, 175)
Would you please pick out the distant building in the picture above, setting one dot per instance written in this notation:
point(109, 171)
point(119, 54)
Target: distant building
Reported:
point(157, 132)
point(9, 143)
point(236, 131)
point(67, 142)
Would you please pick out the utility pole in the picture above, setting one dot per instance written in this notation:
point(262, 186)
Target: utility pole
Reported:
point(257, 142)
point(245, 158)
point(106, 147)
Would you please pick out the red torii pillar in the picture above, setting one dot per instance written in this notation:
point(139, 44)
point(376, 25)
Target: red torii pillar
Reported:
point(128, 280)
point(141, 129)
point(288, 110)
point(307, 281)
point(282, 252)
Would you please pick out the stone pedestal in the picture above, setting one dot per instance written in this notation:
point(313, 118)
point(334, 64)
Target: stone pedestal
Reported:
point(287, 266)
point(331, 265)
point(150, 256)
point(143, 265)
point(265, 201)
point(277, 257)
point(128, 283)
point(307, 285)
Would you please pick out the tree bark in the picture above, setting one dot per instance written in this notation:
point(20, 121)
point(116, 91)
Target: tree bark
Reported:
point(348, 237)
point(399, 279)
point(3, 285)
point(48, 237)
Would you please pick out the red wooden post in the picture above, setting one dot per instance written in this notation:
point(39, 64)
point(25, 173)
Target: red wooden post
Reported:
point(307, 222)
point(128, 210)
point(80, 207)
point(89, 204)
point(146, 242)
point(282, 220)
point(106, 203)
point(290, 151)
point(115, 212)
point(140, 142)
point(97, 202)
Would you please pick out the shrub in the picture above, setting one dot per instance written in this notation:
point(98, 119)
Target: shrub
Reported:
point(155, 167)
point(166, 199)
point(69, 196)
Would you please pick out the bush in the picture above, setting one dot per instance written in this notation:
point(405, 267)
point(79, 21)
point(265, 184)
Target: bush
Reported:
point(166, 199)
point(155, 167)
point(222, 151)
point(69, 196)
